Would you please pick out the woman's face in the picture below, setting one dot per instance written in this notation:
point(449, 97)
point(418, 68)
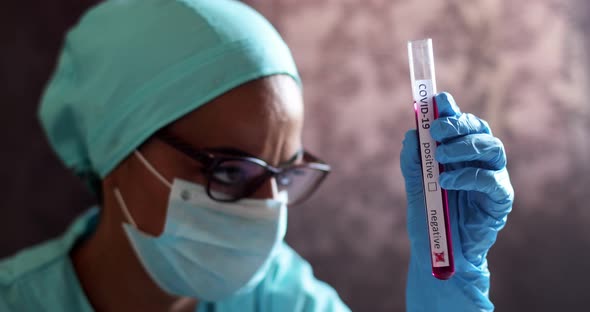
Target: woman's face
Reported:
point(263, 118)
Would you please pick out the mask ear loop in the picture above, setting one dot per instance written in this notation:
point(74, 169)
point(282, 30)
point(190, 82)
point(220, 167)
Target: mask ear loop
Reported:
point(151, 168)
point(119, 197)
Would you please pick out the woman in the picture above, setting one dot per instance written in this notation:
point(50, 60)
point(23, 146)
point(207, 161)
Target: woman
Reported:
point(185, 118)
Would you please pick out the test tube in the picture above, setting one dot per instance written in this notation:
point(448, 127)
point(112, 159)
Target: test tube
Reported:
point(421, 57)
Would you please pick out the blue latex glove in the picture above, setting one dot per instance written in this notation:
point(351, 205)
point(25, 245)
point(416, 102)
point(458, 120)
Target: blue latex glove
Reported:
point(480, 197)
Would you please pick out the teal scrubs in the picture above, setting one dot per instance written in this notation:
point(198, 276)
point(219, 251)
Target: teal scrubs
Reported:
point(42, 278)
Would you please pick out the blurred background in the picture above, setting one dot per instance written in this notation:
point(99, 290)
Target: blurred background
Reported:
point(522, 66)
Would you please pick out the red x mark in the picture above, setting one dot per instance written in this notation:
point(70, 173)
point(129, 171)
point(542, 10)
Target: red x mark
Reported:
point(439, 256)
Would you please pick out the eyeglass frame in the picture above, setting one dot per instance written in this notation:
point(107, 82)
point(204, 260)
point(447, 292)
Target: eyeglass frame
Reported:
point(211, 158)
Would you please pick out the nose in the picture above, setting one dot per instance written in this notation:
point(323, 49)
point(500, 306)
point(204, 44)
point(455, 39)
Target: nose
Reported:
point(267, 190)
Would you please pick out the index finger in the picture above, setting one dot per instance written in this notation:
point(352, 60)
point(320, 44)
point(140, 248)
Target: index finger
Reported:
point(446, 105)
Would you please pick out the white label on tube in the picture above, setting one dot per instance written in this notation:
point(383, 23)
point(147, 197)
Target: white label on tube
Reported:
point(423, 96)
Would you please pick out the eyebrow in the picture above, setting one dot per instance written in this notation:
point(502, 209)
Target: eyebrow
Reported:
point(167, 136)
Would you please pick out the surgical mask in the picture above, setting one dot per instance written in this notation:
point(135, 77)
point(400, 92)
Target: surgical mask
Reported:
point(209, 250)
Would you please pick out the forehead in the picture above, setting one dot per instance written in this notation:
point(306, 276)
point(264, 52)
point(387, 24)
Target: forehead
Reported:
point(256, 117)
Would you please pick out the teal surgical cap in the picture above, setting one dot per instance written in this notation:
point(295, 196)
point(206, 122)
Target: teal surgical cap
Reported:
point(130, 67)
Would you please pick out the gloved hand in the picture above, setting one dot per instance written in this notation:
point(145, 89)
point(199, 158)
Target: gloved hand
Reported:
point(480, 197)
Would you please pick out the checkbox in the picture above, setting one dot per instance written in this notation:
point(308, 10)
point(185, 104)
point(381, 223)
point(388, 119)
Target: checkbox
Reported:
point(432, 186)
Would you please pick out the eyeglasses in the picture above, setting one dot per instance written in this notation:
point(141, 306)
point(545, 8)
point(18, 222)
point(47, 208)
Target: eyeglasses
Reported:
point(230, 178)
